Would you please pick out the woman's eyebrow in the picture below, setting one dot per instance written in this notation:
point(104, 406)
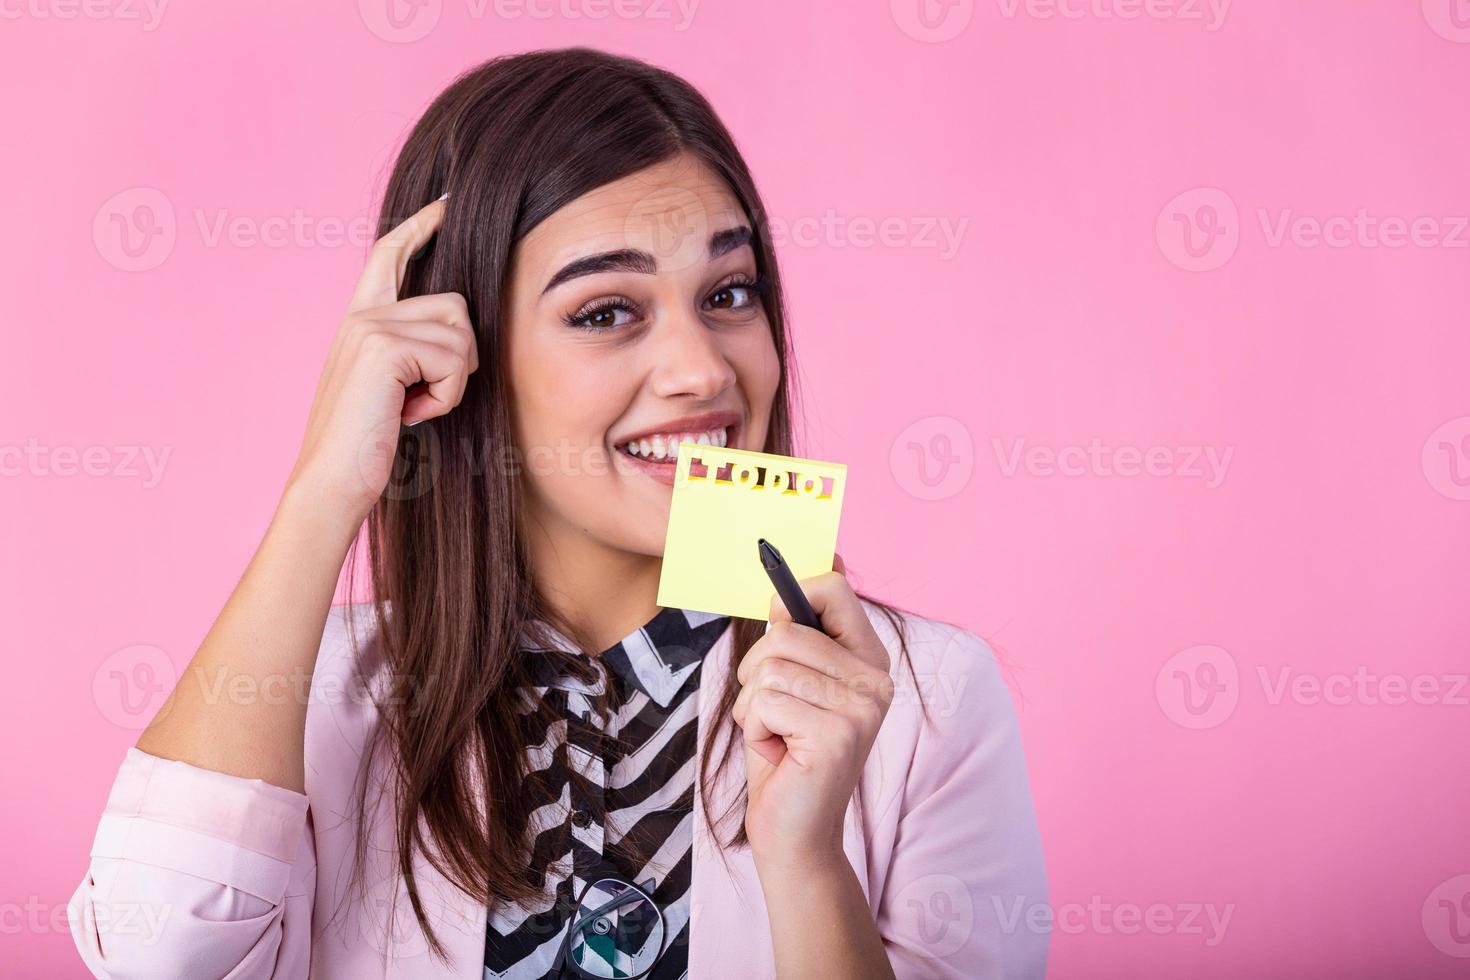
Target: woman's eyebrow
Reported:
point(723, 242)
point(634, 260)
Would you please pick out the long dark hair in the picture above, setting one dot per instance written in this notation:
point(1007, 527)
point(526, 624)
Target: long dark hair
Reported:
point(512, 141)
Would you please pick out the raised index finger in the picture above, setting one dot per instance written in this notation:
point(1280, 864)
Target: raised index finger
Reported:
point(382, 277)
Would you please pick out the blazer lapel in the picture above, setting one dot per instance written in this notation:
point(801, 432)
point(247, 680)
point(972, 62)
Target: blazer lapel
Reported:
point(392, 930)
point(729, 931)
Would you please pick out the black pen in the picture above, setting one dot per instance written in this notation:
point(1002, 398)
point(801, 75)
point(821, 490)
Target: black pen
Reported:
point(786, 587)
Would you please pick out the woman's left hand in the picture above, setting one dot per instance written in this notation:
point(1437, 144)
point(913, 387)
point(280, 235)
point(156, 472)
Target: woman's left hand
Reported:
point(809, 707)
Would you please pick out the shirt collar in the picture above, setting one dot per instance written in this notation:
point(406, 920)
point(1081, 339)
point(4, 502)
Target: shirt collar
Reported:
point(656, 658)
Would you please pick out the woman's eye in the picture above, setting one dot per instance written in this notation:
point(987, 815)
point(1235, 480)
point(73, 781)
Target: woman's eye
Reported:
point(603, 316)
point(730, 297)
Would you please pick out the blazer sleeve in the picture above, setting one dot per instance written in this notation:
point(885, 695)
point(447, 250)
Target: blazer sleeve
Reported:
point(966, 893)
point(196, 874)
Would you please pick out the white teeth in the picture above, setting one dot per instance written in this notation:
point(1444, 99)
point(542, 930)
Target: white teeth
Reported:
point(666, 445)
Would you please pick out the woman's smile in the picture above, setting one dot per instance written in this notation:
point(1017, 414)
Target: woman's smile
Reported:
point(655, 452)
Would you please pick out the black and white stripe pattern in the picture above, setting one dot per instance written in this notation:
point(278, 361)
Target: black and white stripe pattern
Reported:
point(637, 765)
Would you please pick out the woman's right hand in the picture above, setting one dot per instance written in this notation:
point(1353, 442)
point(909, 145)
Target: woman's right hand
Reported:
point(383, 346)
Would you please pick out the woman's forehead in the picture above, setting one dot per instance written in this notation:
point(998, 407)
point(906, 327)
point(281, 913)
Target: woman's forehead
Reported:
point(668, 211)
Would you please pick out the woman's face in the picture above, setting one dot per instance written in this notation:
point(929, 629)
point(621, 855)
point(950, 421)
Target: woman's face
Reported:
point(632, 313)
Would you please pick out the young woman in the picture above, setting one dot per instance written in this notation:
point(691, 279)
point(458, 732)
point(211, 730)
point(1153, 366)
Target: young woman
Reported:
point(512, 762)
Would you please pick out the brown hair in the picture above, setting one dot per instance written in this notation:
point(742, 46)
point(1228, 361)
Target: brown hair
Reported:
point(512, 140)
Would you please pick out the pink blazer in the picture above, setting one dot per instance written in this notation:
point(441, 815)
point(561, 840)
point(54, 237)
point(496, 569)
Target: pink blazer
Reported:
point(196, 874)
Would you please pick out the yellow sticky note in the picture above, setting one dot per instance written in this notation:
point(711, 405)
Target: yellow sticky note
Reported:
point(711, 561)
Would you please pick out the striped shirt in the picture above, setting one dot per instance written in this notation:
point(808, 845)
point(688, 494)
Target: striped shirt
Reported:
point(635, 763)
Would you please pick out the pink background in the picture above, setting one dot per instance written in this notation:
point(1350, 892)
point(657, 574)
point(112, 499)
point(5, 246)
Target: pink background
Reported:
point(1072, 311)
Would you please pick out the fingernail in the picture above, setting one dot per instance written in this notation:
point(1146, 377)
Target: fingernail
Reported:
point(443, 197)
point(414, 423)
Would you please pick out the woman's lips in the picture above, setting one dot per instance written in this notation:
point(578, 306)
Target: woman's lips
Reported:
point(663, 470)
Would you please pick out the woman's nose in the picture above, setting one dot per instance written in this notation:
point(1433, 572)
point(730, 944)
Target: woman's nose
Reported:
point(688, 359)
